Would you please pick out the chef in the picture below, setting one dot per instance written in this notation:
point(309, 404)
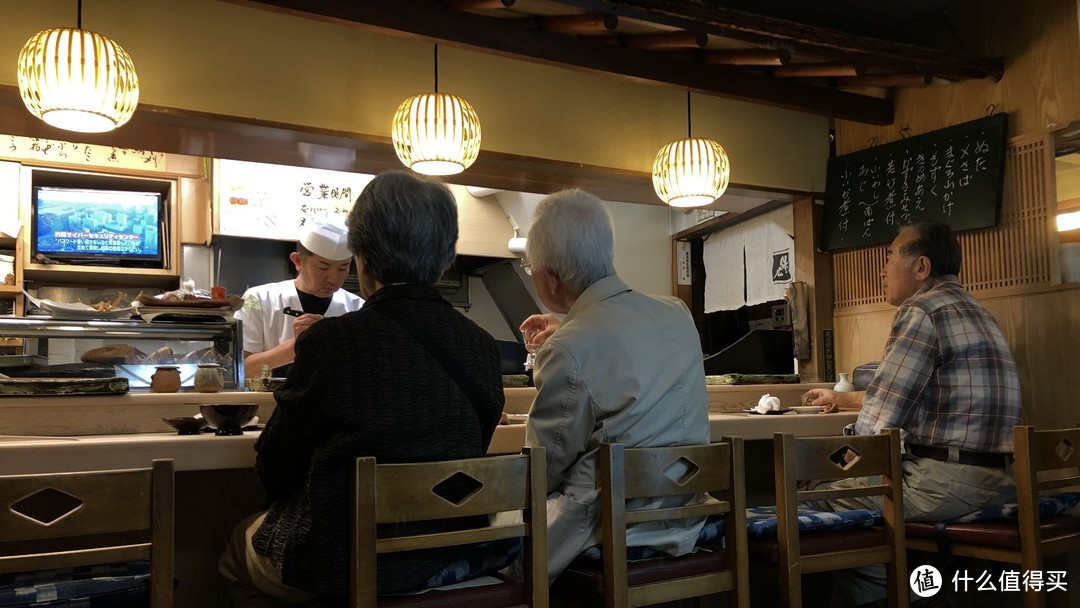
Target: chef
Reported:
point(276, 313)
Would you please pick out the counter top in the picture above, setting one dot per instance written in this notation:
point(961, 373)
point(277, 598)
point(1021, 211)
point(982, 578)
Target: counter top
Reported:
point(41, 454)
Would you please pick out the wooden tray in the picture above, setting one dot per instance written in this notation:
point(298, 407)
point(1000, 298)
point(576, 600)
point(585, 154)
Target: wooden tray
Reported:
point(51, 387)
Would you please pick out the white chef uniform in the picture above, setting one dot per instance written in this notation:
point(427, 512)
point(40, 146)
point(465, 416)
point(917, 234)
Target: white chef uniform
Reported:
point(266, 326)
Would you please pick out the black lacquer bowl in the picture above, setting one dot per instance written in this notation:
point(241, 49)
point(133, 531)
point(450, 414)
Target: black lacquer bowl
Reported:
point(186, 425)
point(229, 419)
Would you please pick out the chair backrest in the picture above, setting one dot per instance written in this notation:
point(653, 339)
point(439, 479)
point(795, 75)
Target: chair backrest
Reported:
point(399, 493)
point(1046, 461)
point(833, 458)
point(65, 520)
point(655, 472)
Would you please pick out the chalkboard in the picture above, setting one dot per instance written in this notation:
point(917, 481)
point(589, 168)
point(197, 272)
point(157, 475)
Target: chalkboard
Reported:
point(953, 175)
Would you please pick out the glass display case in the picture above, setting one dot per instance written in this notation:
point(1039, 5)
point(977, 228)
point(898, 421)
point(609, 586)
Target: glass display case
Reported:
point(60, 348)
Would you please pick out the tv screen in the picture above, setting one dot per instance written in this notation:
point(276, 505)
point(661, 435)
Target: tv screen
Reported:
point(97, 226)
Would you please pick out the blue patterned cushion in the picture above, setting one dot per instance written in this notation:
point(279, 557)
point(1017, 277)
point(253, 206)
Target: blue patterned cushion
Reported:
point(1048, 507)
point(481, 559)
point(761, 521)
point(712, 530)
point(99, 586)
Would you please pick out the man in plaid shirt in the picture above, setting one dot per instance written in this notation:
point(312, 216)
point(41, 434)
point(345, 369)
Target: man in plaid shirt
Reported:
point(947, 380)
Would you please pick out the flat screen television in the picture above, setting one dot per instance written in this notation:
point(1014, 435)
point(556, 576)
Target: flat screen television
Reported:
point(98, 226)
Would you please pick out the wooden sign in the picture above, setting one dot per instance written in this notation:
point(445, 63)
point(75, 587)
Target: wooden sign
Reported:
point(953, 175)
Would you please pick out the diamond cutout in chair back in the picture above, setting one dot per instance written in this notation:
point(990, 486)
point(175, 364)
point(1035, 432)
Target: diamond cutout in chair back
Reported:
point(845, 457)
point(47, 506)
point(681, 471)
point(1064, 449)
point(457, 488)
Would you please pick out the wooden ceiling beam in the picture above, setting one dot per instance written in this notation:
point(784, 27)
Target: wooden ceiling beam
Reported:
point(480, 5)
point(725, 22)
point(753, 57)
point(818, 70)
point(904, 79)
point(667, 40)
point(430, 21)
point(589, 23)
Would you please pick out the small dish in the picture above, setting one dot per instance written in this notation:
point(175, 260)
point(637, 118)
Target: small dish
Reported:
point(768, 413)
point(807, 409)
point(187, 425)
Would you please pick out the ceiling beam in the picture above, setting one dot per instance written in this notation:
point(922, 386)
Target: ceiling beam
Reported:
point(813, 70)
point(714, 19)
point(480, 5)
point(667, 40)
point(429, 20)
point(588, 23)
point(759, 57)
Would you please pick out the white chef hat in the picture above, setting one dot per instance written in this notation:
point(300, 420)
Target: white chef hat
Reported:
point(327, 239)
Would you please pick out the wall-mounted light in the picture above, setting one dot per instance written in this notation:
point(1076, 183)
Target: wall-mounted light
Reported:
point(1068, 221)
point(690, 172)
point(77, 80)
point(436, 133)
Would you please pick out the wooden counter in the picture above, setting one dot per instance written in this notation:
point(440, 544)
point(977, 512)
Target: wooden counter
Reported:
point(216, 486)
point(141, 412)
point(134, 412)
point(206, 451)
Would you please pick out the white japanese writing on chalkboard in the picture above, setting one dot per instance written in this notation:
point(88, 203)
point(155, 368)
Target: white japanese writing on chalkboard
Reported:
point(953, 175)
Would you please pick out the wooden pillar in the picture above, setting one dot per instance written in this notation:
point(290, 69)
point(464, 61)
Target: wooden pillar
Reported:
point(814, 268)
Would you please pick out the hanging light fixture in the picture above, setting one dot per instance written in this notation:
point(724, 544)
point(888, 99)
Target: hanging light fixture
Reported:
point(77, 80)
point(690, 172)
point(436, 133)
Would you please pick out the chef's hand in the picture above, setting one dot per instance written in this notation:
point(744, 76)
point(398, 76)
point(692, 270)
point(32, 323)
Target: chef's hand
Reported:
point(538, 328)
point(303, 322)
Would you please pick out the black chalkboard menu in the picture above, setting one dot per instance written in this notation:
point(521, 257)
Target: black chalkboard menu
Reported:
point(953, 175)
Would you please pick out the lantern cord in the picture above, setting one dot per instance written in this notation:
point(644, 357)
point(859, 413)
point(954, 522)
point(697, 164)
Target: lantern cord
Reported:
point(79, 20)
point(689, 132)
point(436, 68)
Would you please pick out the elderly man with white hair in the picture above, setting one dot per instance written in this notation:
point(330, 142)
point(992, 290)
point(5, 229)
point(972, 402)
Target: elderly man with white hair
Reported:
point(621, 366)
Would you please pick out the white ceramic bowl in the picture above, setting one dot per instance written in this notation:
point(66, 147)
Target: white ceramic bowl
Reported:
point(807, 409)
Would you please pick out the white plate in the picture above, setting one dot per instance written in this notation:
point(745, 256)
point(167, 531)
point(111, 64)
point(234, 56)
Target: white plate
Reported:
point(807, 409)
point(78, 310)
point(184, 314)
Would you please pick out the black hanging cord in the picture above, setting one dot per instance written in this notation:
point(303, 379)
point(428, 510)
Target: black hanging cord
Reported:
point(689, 132)
point(79, 21)
point(436, 67)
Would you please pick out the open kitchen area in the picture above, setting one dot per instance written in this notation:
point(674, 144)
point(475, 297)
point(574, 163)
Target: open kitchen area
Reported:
point(257, 119)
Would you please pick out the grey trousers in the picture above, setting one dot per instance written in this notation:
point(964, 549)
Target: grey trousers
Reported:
point(933, 491)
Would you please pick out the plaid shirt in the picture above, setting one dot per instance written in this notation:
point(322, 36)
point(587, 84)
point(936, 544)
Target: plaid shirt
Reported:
point(947, 378)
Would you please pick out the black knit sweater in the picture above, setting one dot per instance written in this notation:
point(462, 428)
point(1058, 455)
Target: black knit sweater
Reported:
point(362, 386)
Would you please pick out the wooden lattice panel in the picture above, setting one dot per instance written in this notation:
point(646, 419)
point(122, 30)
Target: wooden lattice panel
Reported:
point(1015, 253)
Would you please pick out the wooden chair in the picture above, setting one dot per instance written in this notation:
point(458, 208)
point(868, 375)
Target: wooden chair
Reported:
point(629, 473)
point(1046, 461)
point(66, 520)
point(399, 493)
point(823, 458)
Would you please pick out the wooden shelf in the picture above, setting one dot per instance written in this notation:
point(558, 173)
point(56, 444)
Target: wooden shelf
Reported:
point(66, 274)
point(12, 289)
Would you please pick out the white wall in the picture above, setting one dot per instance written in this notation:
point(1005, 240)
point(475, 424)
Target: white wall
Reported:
point(642, 238)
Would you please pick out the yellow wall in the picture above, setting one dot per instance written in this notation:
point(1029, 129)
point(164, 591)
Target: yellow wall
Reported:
point(216, 57)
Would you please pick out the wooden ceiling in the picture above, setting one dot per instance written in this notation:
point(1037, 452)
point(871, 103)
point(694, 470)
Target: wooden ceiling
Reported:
point(840, 58)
